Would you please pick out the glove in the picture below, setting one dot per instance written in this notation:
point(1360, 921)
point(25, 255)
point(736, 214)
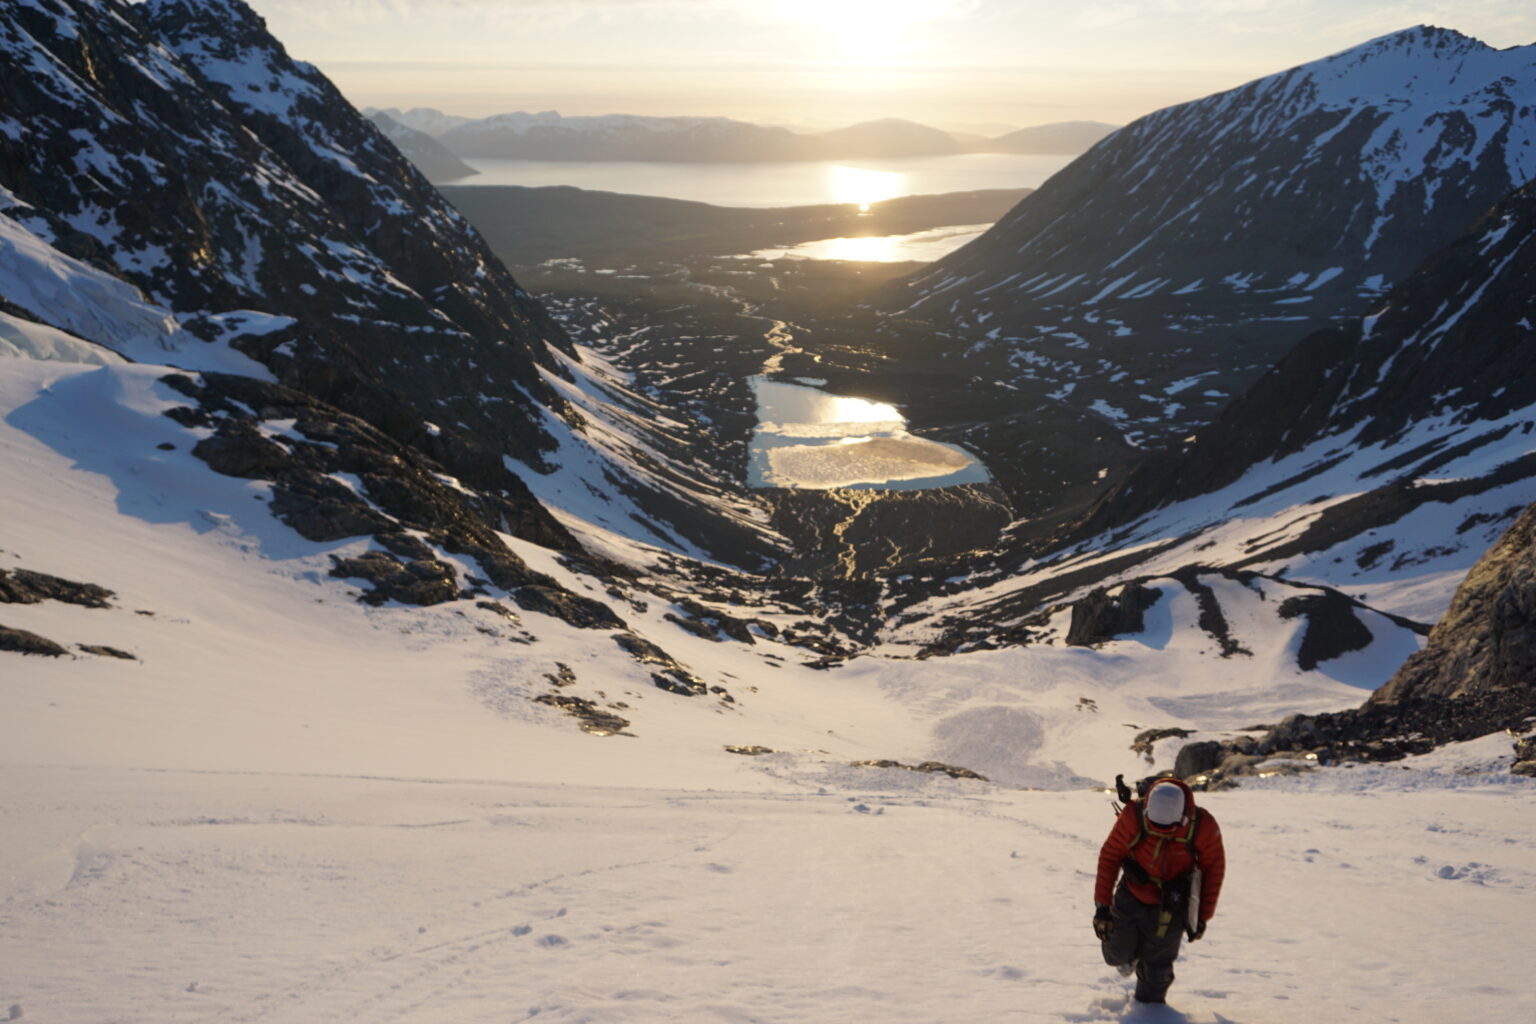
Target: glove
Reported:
point(1103, 922)
point(1199, 932)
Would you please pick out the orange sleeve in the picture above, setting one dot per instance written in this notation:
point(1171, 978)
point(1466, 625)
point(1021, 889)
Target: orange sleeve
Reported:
point(1117, 846)
point(1213, 863)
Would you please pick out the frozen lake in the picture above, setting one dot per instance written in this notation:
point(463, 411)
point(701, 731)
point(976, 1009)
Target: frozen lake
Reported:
point(801, 183)
point(808, 438)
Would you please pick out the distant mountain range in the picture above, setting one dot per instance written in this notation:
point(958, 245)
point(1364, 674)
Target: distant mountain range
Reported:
point(431, 157)
point(550, 136)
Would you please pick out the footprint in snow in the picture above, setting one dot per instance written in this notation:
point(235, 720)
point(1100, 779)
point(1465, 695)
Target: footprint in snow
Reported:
point(1472, 871)
point(554, 941)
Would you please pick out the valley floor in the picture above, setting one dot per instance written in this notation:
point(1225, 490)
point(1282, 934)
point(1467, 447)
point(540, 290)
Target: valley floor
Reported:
point(131, 895)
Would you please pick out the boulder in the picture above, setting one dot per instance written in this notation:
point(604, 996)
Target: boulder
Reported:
point(1198, 758)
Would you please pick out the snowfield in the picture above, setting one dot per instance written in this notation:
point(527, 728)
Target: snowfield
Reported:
point(294, 808)
point(787, 894)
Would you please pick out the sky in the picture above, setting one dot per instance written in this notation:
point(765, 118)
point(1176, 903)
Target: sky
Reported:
point(826, 63)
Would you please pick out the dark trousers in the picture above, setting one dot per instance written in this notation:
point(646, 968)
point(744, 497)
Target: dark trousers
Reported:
point(1135, 938)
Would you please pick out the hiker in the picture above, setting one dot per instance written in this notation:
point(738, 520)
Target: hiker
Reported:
point(1173, 862)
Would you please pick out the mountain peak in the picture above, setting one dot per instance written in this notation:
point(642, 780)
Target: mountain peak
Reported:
point(227, 19)
point(1431, 36)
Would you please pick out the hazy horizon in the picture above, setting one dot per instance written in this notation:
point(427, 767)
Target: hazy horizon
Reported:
point(815, 64)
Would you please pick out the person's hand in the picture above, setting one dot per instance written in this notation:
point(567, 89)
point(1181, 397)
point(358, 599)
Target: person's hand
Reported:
point(1199, 932)
point(1103, 922)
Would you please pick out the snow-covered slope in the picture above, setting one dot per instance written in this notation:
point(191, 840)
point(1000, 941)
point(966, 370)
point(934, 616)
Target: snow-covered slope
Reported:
point(1165, 269)
point(310, 710)
point(1382, 457)
point(293, 806)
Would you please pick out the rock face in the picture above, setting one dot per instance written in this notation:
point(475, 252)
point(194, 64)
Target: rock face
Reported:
point(1486, 643)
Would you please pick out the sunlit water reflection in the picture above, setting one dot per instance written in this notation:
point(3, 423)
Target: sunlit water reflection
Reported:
point(918, 247)
point(796, 183)
point(815, 440)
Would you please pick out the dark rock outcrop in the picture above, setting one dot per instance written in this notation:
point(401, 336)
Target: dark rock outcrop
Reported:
point(1101, 617)
point(423, 581)
point(925, 767)
point(1147, 739)
point(1332, 628)
point(581, 612)
point(592, 718)
point(103, 651)
point(408, 503)
point(22, 586)
point(20, 641)
point(671, 676)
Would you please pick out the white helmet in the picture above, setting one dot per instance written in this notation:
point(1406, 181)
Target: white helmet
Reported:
point(1165, 804)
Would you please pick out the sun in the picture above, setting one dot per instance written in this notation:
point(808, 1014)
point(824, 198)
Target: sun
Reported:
point(867, 28)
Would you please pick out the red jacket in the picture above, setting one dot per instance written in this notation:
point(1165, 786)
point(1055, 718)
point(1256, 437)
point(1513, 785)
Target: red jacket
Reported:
point(1163, 854)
